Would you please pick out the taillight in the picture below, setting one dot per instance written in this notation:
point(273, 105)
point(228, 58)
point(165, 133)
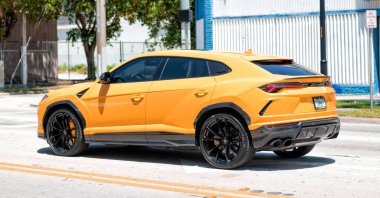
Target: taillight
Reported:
point(273, 88)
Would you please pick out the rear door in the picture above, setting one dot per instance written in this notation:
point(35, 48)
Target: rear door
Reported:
point(183, 89)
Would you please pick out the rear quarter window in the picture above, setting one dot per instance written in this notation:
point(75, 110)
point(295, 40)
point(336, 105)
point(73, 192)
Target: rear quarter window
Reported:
point(217, 68)
point(288, 68)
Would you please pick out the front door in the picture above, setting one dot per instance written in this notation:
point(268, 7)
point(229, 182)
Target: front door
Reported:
point(117, 110)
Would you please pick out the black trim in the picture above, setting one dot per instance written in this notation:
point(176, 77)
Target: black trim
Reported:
point(265, 108)
point(174, 139)
point(224, 105)
point(303, 133)
point(117, 137)
point(63, 102)
point(160, 68)
point(144, 139)
point(80, 94)
point(41, 136)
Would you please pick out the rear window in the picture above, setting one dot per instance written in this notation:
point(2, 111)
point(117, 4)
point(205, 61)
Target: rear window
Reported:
point(288, 68)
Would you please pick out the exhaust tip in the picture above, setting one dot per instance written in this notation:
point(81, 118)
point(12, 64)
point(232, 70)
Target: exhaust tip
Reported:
point(276, 143)
point(288, 142)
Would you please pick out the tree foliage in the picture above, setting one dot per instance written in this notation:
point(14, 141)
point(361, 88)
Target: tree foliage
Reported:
point(162, 15)
point(83, 14)
point(10, 10)
point(157, 15)
point(40, 9)
point(8, 18)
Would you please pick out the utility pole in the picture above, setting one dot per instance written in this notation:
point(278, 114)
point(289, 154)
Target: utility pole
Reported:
point(185, 17)
point(24, 68)
point(101, 36)
point(324, 69)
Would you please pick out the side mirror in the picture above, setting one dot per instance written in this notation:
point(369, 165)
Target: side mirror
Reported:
point(105, 78)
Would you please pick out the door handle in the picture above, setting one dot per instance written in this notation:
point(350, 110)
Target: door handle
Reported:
point(137, 98)
point(201, 93)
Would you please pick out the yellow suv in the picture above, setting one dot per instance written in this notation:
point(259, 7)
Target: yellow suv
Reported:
point(230, 105)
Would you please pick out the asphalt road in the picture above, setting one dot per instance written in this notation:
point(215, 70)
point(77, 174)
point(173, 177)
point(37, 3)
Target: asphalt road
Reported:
point(346, 167)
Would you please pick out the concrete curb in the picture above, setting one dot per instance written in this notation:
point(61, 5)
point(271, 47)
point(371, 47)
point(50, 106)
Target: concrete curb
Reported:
point(24, 93)
point(360, 120)
point(357, 98)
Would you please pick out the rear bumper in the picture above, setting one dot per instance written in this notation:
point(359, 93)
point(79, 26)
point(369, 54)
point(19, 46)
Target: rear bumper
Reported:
point(295, 134)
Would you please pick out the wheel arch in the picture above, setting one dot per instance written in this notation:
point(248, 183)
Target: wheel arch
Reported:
point(228, 107)
point(58, 105)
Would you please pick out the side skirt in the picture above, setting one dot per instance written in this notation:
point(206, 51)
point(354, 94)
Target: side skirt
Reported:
point(164, 139)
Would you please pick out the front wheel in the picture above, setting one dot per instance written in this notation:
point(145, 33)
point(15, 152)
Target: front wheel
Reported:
point(64, 133)
point(224, 142)
point(295, 152)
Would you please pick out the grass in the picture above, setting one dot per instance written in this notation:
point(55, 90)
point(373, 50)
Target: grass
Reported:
point(357, 104)
point(358, 109)
point(78, 68)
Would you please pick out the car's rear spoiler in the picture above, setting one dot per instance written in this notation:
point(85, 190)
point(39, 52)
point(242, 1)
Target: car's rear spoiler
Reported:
point(307, 79)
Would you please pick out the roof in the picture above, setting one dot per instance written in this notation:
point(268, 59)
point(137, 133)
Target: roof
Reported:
point(206, 54)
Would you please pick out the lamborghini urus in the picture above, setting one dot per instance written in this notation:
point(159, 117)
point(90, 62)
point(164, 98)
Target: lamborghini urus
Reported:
point(230, 105)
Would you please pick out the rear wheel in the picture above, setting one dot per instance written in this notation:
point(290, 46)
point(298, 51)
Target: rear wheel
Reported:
point(295, 152)
point(224, 142)
point(64, 133)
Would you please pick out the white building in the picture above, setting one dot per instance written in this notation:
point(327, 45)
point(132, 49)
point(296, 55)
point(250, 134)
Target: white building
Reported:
point(291, 28)
point(130, 42)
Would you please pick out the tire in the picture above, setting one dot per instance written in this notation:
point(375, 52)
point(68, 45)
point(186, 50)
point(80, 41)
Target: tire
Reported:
point(295, 152)
point(225, 142)
point(64, 133)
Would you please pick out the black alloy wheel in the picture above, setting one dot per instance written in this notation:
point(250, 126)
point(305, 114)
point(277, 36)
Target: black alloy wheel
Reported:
point(294, 152)
point(64, 133)
point(224, 142)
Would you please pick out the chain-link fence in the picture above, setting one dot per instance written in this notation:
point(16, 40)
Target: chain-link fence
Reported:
point(41, 61)
point(50, 61)
point(72, 62)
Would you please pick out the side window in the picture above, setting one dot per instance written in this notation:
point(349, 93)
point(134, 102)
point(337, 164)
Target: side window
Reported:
point(199, 69)
point(137, 71)
point(217, 68)
point(177, 68)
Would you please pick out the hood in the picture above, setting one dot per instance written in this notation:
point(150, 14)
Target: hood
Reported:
point(72, 89)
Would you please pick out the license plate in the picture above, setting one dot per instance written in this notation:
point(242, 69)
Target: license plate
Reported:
point(319, 103)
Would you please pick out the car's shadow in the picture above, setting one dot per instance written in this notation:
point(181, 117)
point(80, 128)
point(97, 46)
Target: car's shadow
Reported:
point(263, 161)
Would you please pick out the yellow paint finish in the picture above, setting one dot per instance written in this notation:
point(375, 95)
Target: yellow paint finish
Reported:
point(173, 105)
point(176, 103)
point(113, 107)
